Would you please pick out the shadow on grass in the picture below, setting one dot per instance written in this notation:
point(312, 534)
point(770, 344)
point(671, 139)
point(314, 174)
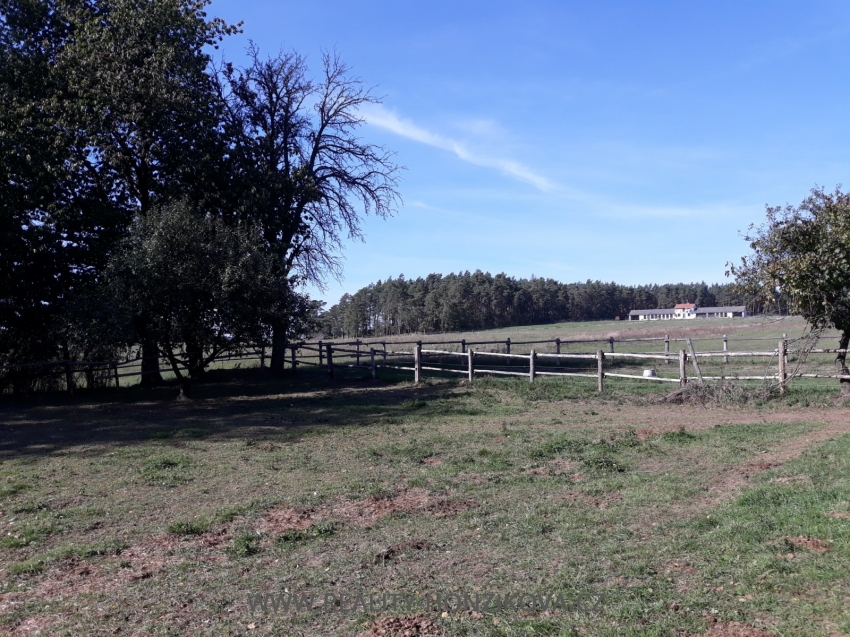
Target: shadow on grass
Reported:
point(248, 403)
point(254, 405)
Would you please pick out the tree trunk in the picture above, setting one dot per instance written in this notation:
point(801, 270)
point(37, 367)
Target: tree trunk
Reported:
point(69, 373)
point(150, 364)
point(184, 380)
point(185, 388)
point(278, 348)
point(841, 362)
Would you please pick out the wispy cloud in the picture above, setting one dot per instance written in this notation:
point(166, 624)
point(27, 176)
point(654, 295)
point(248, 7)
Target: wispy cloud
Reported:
point(381, 117)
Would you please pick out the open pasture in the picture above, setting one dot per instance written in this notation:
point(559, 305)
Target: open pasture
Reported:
point(126, 512)
point(757, 333)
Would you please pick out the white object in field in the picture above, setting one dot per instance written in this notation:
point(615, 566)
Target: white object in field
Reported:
point(650, 373)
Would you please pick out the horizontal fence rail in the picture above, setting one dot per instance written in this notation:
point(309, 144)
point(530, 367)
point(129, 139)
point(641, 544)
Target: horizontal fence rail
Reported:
point(603, 360)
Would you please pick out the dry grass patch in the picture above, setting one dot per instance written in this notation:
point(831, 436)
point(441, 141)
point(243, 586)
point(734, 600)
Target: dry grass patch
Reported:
point(484, 487)
point(404, 626)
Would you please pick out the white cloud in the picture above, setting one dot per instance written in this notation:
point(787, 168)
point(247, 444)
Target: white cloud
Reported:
point(379, 116)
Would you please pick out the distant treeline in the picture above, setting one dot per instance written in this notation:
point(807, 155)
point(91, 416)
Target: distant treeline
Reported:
point(479, 301)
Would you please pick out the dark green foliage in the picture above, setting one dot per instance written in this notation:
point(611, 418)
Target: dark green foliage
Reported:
point(26, 536)
point(479, 301)
point(152, 201)
point(106, 110)
point(603, 462)
point(315, 531)
point(245, 544)
point(680, 435)
point(169, 471)
point(13, 488)
point(801, 260)
point(303, 174)
point(190, 527)
point(555, 448)
point(203, 287)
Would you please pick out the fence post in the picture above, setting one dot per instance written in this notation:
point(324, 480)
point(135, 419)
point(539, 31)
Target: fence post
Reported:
point(358, 352)
point(294, 360)
point(558, 351)
point(725, 348)
point(115, 369)
point(463, 346)
point(611, 341)
point(532, 360)
point(330, 353)
point(262, 355)
point(470, 354)
point(507, 346)
point(666, 349)
point(384, 343)
point(372, 360)
point(600, 375)
point(782, 372)
point(69, 377)
point(417, 364)
point(695, 361)
point(321, 355)
point(683, 372)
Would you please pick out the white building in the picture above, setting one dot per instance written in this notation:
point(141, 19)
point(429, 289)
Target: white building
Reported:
point(688, 311)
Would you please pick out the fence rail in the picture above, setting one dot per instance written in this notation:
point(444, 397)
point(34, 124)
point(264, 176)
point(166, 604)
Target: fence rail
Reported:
point(375, 355)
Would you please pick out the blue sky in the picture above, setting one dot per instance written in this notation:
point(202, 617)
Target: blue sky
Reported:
point(624, 141)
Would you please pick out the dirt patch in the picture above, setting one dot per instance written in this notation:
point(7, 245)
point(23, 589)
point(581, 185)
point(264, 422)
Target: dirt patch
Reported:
point(839, 515)
point(734, 479)
point(445, 508)
point(361, 513)
point(364, 513)
point(733, 629)
point(394, 550)
point(145, 559)
point(433, 461)
point(40, 625)
point(731, 480)
point(279, 521)
point(405, 626)
point(809, 543)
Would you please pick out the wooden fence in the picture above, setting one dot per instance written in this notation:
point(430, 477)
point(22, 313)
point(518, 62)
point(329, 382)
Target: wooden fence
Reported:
point(469, 361)
point(419, 360)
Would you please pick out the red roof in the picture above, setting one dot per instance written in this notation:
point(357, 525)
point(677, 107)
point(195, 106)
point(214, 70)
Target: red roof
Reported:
point(685, 306)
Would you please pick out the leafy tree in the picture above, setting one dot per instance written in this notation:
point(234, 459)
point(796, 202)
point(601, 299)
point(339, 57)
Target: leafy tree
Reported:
point(801, 256)
point(138, 91)
point(202, 287)
point(305, 176)
point(106, 110)
point(56, 216)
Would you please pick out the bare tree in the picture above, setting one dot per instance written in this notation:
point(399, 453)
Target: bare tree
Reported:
point(305, 177)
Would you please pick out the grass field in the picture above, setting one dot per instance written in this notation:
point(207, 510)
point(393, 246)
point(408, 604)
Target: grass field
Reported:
point(753, 333)
point(127, 512)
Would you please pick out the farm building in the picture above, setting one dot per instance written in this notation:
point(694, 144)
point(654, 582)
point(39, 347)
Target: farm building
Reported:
point(688, 311)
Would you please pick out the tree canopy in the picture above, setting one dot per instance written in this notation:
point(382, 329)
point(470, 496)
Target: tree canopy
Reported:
point(801, 258)
point(480, 300)
point(304, 175)
point(112, 111)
